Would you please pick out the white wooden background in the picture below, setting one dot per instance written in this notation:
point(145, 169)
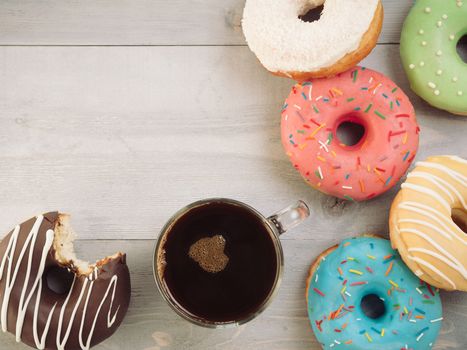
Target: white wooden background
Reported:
point(122, 111)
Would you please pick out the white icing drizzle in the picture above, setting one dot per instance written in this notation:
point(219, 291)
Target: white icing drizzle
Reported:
point(439, 182)
point(40, 344)
point(22, 307)
point(110, 322)
point(61, 344)
point(434, 269)
point(433, 227)
point(432, 242)
point(457, 159)
point(10, 280)
point(433, 215)
point(26, 295)
point(428, 192)
point(455, 265)
point(452, 173)
point(12, 240)
point(431, 178)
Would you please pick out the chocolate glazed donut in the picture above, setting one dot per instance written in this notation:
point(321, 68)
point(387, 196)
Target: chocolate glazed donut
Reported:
point(87, 312)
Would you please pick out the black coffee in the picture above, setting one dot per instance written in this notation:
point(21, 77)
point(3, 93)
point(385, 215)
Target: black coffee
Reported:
point(220, 262)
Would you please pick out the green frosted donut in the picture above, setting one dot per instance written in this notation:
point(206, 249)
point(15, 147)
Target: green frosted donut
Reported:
point(429, 38)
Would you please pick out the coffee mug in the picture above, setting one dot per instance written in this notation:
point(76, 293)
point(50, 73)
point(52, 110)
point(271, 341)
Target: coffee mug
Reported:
point(218, 262)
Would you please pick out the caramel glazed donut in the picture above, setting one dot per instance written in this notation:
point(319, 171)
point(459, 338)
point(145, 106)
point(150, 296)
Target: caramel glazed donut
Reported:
point(286, 45)
point(42, 315)
point(428, 221)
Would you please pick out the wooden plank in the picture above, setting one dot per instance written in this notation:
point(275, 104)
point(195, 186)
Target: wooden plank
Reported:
point(150, 323)
point(123, 137)
point(141, 22)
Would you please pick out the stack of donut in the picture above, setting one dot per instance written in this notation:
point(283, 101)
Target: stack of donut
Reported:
point(363, 293)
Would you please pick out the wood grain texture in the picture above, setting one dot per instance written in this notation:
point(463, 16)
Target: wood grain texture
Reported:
point(151, 325)
point(141, 22)
point(123, 137)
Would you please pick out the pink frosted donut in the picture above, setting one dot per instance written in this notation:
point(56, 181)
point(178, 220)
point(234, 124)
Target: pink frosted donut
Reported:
point(360, 99)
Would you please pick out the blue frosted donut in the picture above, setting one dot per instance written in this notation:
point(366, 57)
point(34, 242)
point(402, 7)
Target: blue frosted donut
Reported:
point(361, 295)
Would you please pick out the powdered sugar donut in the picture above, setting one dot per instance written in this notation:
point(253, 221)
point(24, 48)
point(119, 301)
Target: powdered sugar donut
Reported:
point(346, 32)
point(315, 111)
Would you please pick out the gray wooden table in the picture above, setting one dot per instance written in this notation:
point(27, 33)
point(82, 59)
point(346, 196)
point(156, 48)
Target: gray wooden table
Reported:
point(122, 111)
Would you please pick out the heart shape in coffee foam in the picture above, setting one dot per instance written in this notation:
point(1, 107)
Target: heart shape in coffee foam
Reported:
point(209, 253)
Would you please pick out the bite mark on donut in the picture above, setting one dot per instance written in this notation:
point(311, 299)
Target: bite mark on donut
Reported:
point(65, 253)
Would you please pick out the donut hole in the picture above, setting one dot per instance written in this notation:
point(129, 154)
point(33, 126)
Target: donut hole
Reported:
point(350, 132)
point(59, 280)
point(462, 48)
point(311, 13)
point(372, 306)
point(459, 217)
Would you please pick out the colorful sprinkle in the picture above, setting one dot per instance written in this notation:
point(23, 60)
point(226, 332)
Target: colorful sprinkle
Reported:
point(321, 158)
point(320, 173)
point(389, 269)
point(380, 115)
point(337, 91)
point(420, 311)
point(421, 331)
point(388, 181)
point(318, 292)
point(355, 74)
point(358, 283)
point(317, 129)
point(368, 108)
point(406, 155)
point(394, 283)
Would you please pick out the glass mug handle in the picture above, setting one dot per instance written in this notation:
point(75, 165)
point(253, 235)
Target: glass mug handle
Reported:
point(289, 217)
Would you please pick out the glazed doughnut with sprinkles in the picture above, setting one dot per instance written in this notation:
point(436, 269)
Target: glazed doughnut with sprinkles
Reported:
point(314, 114)
point(361, 295)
